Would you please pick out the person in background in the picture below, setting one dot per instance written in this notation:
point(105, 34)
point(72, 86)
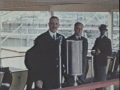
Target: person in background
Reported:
point(42, 60)
point(78, 28)
point(101, 49)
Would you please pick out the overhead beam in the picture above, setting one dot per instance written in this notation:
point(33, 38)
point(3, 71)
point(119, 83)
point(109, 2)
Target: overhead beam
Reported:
point(85, 7)
point(64, 1)
point(20, 6)
point(58, 5)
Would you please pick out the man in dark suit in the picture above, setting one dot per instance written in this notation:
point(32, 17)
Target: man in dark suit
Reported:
point(100, 51)
point(78, 28)
point(43, 58)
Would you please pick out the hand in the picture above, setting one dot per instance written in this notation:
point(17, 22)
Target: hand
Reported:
point(97, 52)
point(39, 83)
point(93, 52)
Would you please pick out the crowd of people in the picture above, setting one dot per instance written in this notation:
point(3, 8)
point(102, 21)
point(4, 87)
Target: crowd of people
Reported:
point(42, 60)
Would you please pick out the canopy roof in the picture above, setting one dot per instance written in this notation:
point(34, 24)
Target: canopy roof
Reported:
point(60, 5)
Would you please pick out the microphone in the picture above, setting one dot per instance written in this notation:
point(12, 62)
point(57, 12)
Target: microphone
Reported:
point(60, 63)
point(60, 39)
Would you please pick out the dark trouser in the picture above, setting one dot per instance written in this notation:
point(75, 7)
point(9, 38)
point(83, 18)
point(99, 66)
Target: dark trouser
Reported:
point(99, 74)
point(82, 78)
point(30, 80)
point(29, 86)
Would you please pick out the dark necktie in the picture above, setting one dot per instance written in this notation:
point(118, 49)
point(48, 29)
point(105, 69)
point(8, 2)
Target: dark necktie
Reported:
point(79, 38)
point(53, 36)
point(101, 37)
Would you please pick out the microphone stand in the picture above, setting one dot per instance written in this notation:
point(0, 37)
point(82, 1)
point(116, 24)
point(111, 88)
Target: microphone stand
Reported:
point(60, 71)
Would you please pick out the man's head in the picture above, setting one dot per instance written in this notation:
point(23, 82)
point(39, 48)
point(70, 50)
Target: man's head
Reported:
point(102, 29)
point(53, 24)
point(78, 27)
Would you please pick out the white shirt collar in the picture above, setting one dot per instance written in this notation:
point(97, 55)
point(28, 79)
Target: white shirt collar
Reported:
point(77, 37)
point(102, 36)
point(51, 34)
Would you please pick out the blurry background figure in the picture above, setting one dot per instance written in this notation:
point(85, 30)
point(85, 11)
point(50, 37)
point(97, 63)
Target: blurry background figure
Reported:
point(101, 49)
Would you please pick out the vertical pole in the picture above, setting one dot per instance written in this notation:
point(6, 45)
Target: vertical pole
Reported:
point(51, 13)
point(67, 58)
point(0, 38)
point(27, 39)
point(75, 78)
point(110, 87)
point(60, 64)
point(92, 73)
point(110, 26)
point(0, 47)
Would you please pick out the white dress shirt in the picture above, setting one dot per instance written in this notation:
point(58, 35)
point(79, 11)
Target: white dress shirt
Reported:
point(77, 37)
point(51, 34)
point(102, 36)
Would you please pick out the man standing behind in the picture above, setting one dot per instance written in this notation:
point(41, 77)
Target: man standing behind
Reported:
point(100, 51)
point(78, 28)
point(46, 56)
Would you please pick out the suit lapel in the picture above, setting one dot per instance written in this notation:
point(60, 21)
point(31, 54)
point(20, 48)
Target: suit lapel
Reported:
point(81, 38)
point(101, 41)
point(74, 38)
point(57, 35)
point(49, 36)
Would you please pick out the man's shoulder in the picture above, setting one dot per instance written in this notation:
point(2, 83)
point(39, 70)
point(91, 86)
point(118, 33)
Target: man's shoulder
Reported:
point(70, 37)
point(97, 38)
point(84, 38)
point(60, 34)
point(41, 36)
point(31, 50)
point(107, 39)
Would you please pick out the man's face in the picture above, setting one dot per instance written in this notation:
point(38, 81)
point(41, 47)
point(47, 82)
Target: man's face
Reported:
point(53, 24)
point(102, 31)
point(78, 29)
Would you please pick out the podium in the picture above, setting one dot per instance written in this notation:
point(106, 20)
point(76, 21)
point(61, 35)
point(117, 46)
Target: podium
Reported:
point(74, 59)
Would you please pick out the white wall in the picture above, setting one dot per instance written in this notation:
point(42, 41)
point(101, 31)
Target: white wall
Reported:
point(17, 62)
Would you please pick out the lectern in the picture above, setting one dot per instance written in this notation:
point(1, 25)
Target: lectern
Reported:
point(74, 58)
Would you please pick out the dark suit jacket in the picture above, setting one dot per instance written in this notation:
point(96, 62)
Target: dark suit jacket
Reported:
point(43, 59)
point(85, 47)
point(104, 45)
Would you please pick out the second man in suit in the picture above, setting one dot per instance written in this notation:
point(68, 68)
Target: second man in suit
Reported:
point(78, 28)
point(101, 49)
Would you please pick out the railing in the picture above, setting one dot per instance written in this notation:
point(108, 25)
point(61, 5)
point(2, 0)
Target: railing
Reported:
point(16, 61)
point(11, 57)
point(92, 86)
point(89, 86)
